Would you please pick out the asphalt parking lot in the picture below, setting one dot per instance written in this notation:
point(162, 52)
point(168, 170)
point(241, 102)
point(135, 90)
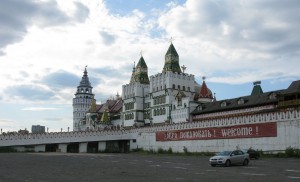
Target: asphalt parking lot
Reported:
point(138, 167)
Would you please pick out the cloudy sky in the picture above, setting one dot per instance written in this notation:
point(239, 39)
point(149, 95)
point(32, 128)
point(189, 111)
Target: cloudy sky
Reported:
point(45, 45)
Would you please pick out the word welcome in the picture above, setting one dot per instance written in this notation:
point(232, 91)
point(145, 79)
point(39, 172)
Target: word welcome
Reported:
point(240, 131)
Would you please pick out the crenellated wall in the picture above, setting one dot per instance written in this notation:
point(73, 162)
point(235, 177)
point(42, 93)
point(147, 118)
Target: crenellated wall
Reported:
point(286, 134)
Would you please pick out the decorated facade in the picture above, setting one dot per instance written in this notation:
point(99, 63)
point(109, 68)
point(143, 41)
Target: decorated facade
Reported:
point(167, 97)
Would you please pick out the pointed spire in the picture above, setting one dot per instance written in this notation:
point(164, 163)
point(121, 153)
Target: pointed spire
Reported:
point(117, 96)
point(141, 72)
point(204, 92)
point(105, 116)
point(85, 79)
point(172, 60)
point(132, 79)
point(215, 98)
point(93, 106)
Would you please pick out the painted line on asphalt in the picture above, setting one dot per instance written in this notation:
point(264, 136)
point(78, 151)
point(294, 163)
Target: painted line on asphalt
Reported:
point(155, 165)
point(254, 174)
point(148, 161)
point(294, 177)
point(250, 167)
point(209, 170)
point(292, 170)
point(180, 168)
point(185, 164)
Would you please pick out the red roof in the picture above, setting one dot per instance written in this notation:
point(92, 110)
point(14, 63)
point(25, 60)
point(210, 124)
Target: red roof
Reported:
point(204, 92)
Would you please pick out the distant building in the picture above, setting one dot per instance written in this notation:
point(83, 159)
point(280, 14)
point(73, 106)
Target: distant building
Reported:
point(23, 131)
point(37, 129)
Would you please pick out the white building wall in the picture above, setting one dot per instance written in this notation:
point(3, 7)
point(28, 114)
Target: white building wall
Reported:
point(288, 135)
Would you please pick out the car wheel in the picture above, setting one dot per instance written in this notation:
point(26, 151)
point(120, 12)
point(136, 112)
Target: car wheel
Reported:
point(213, 165)
point(246, 162)
point(227, 163)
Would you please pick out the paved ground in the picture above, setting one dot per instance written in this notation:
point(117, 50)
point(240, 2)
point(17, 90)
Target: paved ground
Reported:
point(134, 167)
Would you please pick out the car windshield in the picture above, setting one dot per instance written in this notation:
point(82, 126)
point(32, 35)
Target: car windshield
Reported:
point(224, 153)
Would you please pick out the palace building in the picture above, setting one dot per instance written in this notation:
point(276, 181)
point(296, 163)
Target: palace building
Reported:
point(167, 97)
point(171, 97)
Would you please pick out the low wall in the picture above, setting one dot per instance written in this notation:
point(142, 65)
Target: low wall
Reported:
point(287, 134)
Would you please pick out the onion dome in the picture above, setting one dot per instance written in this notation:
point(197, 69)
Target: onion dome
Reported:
point(172, 60)
point(141, 72)
point(205, 94)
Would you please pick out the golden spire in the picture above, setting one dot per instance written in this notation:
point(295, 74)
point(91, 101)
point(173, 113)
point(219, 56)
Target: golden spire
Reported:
point(93, 106)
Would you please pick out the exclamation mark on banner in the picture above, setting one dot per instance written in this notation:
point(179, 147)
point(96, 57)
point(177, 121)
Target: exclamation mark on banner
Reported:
point(256, 130)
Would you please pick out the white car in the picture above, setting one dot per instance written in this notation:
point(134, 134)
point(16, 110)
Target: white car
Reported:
point(228, 158)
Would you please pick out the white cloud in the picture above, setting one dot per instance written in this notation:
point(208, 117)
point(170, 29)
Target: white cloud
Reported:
point(38, 109)
point(229, 41)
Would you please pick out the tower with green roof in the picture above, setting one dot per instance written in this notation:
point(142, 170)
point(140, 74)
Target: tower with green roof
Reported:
point(172, 60)
point(141, 72)
point(134, 95)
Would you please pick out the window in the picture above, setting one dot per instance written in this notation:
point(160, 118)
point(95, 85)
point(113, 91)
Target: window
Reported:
point(178, 87)
point(223, 104)
point(199, 108)
point(241, 101)
point(183, 88)
point(173, 86)
point(272, 96)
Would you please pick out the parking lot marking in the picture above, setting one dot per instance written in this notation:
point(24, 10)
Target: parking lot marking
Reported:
point(209, 170)
point(180, 168)
point(148, 161)
point(155, 165)
point(292, 170)
point(293, 177)
point(254, 174)
point(250, 167)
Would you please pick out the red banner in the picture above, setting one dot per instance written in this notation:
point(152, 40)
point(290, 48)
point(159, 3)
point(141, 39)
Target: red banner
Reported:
point(239, 131)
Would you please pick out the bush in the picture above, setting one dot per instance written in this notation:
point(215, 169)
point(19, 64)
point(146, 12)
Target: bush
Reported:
point(185, 150)
point(160, 151)
point(292, 152)
point(170, 151)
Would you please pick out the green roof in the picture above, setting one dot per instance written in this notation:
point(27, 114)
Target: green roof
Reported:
point(257, 90)
point(172, 60)
point(142, 63)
